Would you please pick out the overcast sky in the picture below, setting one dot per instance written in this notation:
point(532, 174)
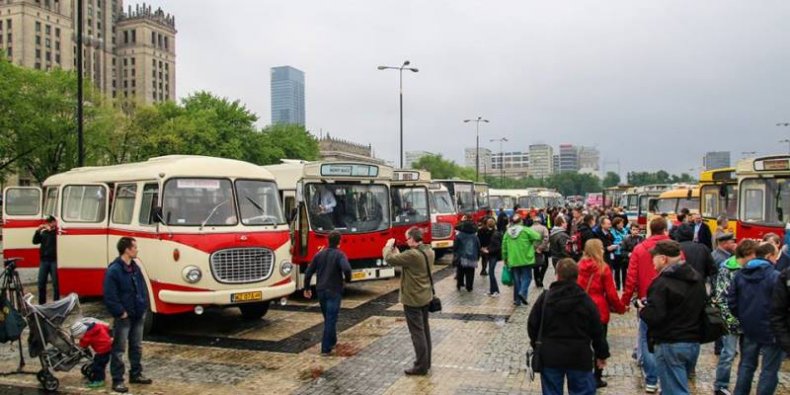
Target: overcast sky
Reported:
point(653, 84)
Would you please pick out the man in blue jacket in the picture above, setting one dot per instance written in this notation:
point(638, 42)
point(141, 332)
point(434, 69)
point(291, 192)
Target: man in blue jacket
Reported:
point(126, 298)
point(750, 300)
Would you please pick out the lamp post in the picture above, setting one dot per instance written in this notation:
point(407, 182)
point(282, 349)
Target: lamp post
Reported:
point(501, 160)
point(80, 142)
point(400, 91)
point(477, 145)
point(787, 141)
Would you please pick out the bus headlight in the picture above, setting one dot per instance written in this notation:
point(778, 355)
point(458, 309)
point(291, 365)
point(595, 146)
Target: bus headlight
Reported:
point(192, 274)
point(286, 268)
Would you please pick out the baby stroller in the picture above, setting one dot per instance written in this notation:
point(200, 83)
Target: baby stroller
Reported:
point(50, 339)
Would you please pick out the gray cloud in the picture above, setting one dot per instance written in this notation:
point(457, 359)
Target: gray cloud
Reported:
point(653, 84)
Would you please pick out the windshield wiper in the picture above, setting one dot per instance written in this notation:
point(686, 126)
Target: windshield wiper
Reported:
point(254, 203)
point(211, 214)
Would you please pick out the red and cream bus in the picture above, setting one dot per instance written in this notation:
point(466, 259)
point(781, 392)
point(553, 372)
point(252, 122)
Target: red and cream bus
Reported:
point(470, 198)
point(351, 197)
point(410, 204)
point(210, 231)
point(763, 196)
point(444, 217)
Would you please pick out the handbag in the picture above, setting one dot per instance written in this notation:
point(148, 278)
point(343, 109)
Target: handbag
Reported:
point(11, 322)
point(507, 277)
point(712, 323)
point(534, 362)
point(435, 304)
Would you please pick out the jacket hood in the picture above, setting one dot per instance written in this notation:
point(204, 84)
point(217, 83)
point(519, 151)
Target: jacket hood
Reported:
point(588, 267)
point(685, 233)
point(683, 272)
point(757, 269)
point(556, 230)
point(467, 227)
point(731, 264)
point(651, 241)
point(565, 296)
point(515, 230)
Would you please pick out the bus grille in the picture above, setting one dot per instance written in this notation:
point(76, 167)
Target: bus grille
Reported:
point(242, 265)
point(441, 230)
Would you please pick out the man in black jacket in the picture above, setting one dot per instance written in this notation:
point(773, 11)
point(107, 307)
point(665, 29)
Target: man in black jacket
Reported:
point(702, 232)
point(673, 311)
point(780, 311)
point(331, 267)
point(46, 238)
point(570, 325)
point(696, 254)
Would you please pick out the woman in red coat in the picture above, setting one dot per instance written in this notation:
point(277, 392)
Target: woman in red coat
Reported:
point(595, 277)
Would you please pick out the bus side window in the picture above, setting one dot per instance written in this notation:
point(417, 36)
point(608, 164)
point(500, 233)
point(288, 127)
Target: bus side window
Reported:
point(84, 203)
point(123, 204)
point(51, 201)
point(148, 204)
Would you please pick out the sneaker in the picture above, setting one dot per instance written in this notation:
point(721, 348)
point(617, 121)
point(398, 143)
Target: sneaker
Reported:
point(722, 391)
point(494, 295)
point(651, 388)
point(120, 388)
point(140, 380)
point(600, 383)
point(95, 384)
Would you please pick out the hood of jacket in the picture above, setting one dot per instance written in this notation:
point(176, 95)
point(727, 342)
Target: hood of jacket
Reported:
point(467, 227)
point(515, 230)
point(757, 270)
point(683, 272)
point(588, 267)
point(565, 296)
point(685, 233)
point(731, 263)
point(556, 230)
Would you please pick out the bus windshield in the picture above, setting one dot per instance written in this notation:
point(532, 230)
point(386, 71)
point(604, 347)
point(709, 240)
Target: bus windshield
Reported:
point(482, 197)
point(259, 203)
point(346, 207)
point(442, 202)
point(465, 197)
point(691, 204)
point(668, 205)
point(199, 202)
point(409, 205)
point(766, 201)
point(713, 204)
point(502, 202)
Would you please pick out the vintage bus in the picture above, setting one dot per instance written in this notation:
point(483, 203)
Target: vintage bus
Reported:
point(672, 201)
point(530, 199)
point(504, 199)
point(351, 197)
point(613, 196)
point(470, 198)
point(763, 196)
point(552, 198)
point(410, 204)
point(482, 206)
point(719, 196)
point(444, 217)
point(210, 231)
point(637, 201)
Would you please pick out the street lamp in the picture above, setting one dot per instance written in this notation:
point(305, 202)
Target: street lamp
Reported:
point(785, 124)
point(501, 160)
point(477, 146)
point(400, 84)
point(80, 138)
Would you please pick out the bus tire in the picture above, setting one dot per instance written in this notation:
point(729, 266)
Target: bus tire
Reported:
point(149, 325)
point(254, 311)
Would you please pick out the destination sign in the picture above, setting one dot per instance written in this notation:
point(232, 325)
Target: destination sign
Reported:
point(349, 170)
point(772, 164)
point(407, 175)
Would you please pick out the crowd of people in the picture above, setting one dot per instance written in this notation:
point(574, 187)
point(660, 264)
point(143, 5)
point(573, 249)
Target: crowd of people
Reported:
point(674, 280)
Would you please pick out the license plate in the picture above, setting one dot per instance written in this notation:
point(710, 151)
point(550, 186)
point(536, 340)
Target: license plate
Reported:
point(359, 276)
point(246, 297)
point(443, 244)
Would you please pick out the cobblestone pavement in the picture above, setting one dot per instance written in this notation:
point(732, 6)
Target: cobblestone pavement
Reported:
point(479, 345)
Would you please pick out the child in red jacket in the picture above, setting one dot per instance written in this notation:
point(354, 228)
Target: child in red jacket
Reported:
point(96, 335)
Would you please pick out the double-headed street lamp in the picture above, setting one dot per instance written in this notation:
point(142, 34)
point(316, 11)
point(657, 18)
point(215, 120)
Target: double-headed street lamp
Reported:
point(477, 146)
point(501, 159)
point(400, 87)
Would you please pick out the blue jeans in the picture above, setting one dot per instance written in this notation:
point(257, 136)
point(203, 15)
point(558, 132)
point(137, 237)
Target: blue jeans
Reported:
point(99, 366)
point(729, 345)
point(127, 331)
point(646, 358)
point(330, 308)
point(674, 362)
point(47, 269)
point(769, 375)
point(492, 283)
point(522, 276)
point(580, 382)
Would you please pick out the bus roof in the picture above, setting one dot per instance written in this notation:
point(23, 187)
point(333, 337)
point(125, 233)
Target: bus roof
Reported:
point(162, 167)
point(774, 164)
point(290, 172)
point(682, 192)
point(721, 175)
point(504, 192)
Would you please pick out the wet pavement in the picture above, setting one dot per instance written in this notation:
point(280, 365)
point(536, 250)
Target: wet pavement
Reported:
point(479, 346)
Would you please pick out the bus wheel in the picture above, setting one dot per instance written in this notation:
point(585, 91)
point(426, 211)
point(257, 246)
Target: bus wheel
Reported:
point(149, 325)
point(254, 311)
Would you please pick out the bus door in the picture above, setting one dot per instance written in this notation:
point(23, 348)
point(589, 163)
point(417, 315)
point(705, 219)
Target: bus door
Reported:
point(22, 215)
point(83, 232)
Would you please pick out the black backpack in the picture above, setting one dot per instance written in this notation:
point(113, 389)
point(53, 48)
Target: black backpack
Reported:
point(11, 322)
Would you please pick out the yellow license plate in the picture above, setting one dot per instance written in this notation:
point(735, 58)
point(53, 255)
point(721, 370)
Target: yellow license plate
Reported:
point(359, 276)
point(443, 244)
point(246, 297)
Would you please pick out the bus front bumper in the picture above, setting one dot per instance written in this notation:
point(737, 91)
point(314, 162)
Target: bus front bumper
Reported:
point(228, 297)
point(439, 244)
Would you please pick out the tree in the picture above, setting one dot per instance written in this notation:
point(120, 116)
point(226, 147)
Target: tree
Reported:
point(611, 179)
point(439, 167)
point(659, 177)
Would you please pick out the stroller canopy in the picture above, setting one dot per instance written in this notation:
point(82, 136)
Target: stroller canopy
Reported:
point(56, 312)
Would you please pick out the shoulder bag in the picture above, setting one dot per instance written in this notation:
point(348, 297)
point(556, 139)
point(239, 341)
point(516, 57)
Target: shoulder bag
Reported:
point(436, 304)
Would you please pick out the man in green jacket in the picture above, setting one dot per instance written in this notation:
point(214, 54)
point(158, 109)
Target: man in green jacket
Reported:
point(518, 253)
point(415, 294)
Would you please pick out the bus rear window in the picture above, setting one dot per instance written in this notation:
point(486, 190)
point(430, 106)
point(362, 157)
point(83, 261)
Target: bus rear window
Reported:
point(22, 201)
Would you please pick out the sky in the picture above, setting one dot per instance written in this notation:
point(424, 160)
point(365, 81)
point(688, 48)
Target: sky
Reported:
point(652, 84)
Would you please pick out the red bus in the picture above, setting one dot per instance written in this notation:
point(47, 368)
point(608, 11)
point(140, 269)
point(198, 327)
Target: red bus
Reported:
point(444, 217)
point(763, 196)
point(410, 204)
point(470, 198)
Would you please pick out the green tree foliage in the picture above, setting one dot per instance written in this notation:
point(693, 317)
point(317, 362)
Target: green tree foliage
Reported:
point(639, 178)
point(611, 179)
point(439, 167)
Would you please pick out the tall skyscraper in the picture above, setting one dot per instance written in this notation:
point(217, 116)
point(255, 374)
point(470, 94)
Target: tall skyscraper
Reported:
point(118, 57)
point(716, 160)
point(541, 160)
point(569, 158)
point(287, 86)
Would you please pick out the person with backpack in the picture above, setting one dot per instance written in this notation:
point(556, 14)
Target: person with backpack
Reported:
point(749, 298)
point(466, 251)
point(595, 277)
point(541, 249)
point(673, 312)
point(518, 253)
point(560, 243)
point(494, 252)
point(744, 253)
